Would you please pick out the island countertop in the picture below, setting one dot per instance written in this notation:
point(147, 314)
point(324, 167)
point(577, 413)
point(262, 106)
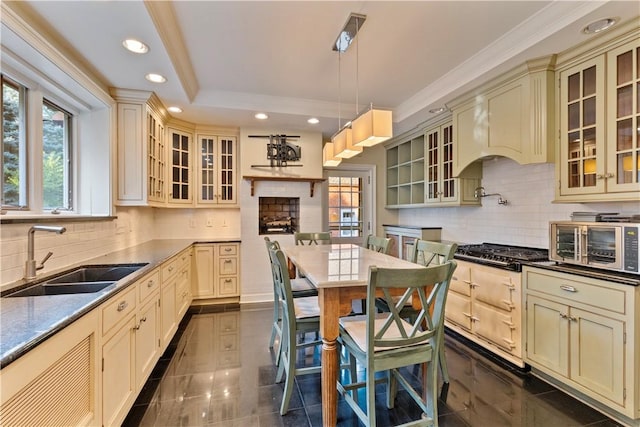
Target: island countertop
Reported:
point(25, 322)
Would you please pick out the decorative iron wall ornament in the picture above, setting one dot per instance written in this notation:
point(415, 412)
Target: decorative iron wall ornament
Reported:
point(280, 151)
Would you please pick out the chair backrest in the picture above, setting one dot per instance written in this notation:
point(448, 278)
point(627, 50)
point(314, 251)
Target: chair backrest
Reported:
point(323, 237)
point(432, 253)
point(282, 283)
point(430, 284)
point(378, 244)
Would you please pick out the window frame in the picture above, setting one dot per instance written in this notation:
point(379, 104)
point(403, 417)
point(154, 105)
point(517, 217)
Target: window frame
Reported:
point(35, 98)
point(23, 162)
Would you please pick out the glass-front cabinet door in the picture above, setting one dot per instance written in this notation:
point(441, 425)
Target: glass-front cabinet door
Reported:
point(180, 172)
point(623, 135)
point(582, 144)
point(440, 183)
point(156, 162)
point(216, 170)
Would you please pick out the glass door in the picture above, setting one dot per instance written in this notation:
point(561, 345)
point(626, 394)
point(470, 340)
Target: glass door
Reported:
point(624, 116)
point(349, 205)
point(582, 142)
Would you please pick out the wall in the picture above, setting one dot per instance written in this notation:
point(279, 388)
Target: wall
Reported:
point(83, 240)
point(523, 222)
point(256, 280)
point(196, 224)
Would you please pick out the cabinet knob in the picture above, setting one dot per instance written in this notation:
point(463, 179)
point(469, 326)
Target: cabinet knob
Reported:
point(150, 283)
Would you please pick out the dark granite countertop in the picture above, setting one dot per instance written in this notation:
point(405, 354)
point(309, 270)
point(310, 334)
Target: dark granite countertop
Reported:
point(25, 322)
point(415, 227)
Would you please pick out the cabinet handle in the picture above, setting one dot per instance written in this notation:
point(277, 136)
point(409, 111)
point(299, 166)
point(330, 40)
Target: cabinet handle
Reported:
point(568, 288)
point(171, 268)
point(150, 283)
point(227, 250)
point(123, 305)
point(609, 175)
point(227, 281)
point(227, 261)
point(137, 327)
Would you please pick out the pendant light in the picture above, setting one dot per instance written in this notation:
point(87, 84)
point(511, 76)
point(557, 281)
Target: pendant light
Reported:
point(373, 126)
point(328, 155)
point(342, 140)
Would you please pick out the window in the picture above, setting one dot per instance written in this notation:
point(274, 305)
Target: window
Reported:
point(14, 171)
point(56, 157)
point(345, 195)
point(50, 189)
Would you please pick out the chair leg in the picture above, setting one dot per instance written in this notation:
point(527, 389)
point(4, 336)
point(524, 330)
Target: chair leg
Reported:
point(371, 397)
point(392, 389)
point(443, 365)
point(290, 380)
point(276, 320)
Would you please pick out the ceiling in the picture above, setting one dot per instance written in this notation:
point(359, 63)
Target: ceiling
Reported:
point(227, 60)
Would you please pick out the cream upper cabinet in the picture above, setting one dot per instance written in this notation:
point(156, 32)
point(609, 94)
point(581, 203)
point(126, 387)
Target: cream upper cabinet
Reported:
point(599, 118)
point(141, 150)
point(180, 144)
point(511, 116)
point(442, 188)
point(420, 170)
point(216, 170)
point(405, 171)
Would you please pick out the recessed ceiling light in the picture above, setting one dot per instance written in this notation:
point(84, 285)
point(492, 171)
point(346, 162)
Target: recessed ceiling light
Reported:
point(261, 116)
point(155, 78)
point(599, 25)
point(313, 121)
point(175, 109)
point(135, 46)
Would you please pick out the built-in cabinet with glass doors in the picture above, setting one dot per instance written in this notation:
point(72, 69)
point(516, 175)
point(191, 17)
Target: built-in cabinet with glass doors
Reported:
point(216, 169)
point(599, 116)
point(161, 164)
point(419, 170)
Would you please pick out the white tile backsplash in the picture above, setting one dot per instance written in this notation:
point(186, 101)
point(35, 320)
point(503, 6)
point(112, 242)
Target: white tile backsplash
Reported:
point(524, 221)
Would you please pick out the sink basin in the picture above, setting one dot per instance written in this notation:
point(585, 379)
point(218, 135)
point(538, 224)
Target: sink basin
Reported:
point(81, 280)
point(60, 289)
point(97, 273)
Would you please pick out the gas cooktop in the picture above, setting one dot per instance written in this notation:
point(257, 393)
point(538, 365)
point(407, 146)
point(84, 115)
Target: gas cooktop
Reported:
point(502, 256)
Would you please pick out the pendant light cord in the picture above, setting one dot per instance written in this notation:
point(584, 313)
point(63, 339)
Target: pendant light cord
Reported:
point(357, 64)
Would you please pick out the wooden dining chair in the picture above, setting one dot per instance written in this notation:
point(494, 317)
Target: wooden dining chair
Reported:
point(388, 342)
point(316, 238)
point(426, 253)
point(299, 316)
point(378, 244)
point(300, 288)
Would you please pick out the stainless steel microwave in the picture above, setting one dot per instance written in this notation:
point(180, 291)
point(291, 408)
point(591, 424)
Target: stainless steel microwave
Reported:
point(610, 246)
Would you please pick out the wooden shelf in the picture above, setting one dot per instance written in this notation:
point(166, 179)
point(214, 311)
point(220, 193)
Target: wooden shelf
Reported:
point(311, 181)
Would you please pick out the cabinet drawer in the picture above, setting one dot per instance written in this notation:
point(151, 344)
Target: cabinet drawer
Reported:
point(184, 258)
point(228, 266)
point(170, 268)
point(227, 286)
point(564, 286)
point(228, 250)
point(118, 309)
point(148, 285)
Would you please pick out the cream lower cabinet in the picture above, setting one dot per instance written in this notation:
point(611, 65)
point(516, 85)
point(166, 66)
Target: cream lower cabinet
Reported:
point(582, 336)
point(403, 238)
point(118, 357)
point(484, 305)
point(217, 271)
point(58, 382)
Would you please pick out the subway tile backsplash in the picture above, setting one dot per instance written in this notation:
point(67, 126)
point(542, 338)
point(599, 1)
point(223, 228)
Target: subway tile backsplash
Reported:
point(524, 221)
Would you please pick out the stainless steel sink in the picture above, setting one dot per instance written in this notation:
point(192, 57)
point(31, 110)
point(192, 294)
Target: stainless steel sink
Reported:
point(61, 289)
point(97, 273)
point(81, 280)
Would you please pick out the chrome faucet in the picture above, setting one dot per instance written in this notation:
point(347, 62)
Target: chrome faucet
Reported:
point(30, 267)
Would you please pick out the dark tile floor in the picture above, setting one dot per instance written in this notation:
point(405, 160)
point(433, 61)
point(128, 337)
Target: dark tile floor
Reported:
point(219, 371)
